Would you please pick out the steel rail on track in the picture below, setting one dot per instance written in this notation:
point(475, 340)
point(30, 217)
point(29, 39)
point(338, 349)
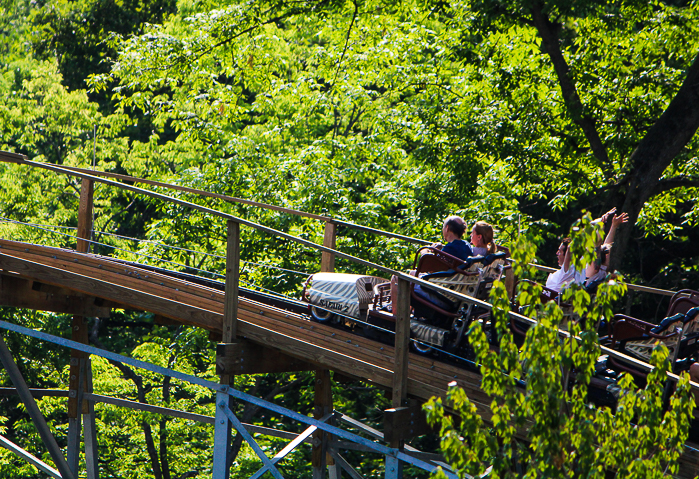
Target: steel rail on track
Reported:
point(21, 159)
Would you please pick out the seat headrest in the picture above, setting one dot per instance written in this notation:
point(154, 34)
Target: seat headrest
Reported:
point(489, 258)
point(691, 314)
point(665, 323)
point(471, 260)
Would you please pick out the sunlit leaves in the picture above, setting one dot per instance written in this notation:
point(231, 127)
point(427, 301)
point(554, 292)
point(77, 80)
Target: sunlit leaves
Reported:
point(566, 436)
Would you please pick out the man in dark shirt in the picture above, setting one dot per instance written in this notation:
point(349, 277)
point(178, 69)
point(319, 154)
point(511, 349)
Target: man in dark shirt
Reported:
point(452, 232)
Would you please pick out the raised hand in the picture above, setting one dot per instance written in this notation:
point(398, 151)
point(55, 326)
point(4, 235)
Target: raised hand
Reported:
point(606, 216)
point(619, 219)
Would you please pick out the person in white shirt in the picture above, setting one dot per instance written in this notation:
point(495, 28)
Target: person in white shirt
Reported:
point(568, 275)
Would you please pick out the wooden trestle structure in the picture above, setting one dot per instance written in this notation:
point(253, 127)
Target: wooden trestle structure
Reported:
point(255, 338)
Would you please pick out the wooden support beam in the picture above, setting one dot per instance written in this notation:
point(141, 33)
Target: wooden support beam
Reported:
point(320, 456)
point(327, 262)
point(405, 423)
point(245, 357)
point(510, 282)
point(87, 189)
point(230, 312)
point(22, 293)
point(402, 342)
point(79, 380)
point(229, 333)
point(36, 393)
point(322, 406)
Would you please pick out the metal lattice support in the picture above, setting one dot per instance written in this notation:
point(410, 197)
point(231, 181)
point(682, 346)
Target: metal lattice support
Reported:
point(223, 405)
point(224, 416)
point(30, 458)
point(37, 418)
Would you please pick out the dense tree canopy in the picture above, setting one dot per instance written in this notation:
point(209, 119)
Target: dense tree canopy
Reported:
point(384, 113)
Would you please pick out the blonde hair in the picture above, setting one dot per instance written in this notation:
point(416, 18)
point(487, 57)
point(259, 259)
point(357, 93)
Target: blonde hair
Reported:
point(486, 231)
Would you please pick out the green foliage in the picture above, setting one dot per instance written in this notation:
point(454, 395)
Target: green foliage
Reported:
point(545, 426)
point(74, 31)
point(389, 114)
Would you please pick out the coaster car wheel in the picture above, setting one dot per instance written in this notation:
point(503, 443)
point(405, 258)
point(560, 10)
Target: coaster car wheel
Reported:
point(423, 349)
point(321, 315)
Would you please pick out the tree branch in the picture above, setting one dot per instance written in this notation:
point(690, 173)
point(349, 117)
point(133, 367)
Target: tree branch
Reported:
point(550, 40)
point(664, 141)
point(141, 391)
point(344, 50)
point(672, 183)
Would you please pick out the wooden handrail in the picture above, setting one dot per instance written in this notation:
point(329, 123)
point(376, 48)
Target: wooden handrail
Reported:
point(233, 199)
point(22, 159)
point(211, 211)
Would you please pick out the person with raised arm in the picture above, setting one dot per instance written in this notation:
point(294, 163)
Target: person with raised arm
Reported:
point(567, 275)
point(597, 270)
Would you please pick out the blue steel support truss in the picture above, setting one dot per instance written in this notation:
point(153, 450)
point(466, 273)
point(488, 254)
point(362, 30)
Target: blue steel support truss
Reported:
point(394, 457)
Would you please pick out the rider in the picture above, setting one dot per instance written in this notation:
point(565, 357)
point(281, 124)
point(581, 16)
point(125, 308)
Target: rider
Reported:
point(567, 275)
point(452, 232)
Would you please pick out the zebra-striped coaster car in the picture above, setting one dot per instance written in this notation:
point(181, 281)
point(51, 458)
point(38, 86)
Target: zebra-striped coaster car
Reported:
point(336, 294)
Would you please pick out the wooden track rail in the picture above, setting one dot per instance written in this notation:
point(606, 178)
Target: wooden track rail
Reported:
point(127, 287)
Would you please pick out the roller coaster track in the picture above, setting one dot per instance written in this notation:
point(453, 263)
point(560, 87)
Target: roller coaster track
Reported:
point(97, 279)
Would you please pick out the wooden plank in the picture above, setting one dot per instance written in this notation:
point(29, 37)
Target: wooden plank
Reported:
point(245, 357)
point(400, 374)
point(363, 349)
point(133, 278)
point(121, 294)
point(20, 293)
point(104, 264)
point(230, 312)
point(10, 157)
point(36, 393)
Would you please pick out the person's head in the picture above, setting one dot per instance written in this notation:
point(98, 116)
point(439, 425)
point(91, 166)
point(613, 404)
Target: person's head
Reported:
point(602, 256)
point(482, 236)
point(454, 225)
point(562, 250)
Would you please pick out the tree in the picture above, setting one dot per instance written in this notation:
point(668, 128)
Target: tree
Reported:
point(548, 428)
point(580, 103)
point(606, 57)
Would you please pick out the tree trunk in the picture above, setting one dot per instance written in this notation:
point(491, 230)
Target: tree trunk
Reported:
point(663, 142)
